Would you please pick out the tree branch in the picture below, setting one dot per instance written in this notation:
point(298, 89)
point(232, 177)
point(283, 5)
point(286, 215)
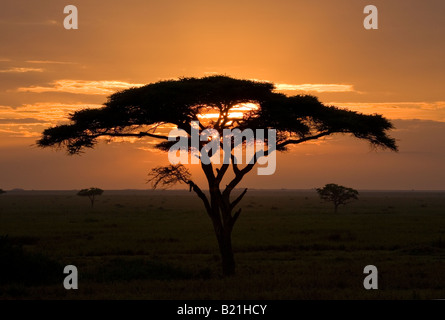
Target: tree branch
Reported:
point(234, 165)
point(208, 171)
point(322, 134)
point(138, 135)
point(235, 216)
point(201, 195)
point(221, 172)
point(238, 177)
point(238, 199)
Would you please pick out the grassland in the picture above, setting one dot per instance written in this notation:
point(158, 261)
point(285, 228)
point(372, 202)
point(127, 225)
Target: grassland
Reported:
point(160, 245)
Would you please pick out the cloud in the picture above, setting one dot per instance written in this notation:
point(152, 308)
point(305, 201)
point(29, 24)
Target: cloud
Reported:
point(52, 111)
point(82, 87)
point(19, 121)
point(34, 116)
point(21, 133)
point(49, 22)
point(312, 87)
point(48, 62)
point(399, 110)
point(106, 87)
point(21, 70)
point(308, 87)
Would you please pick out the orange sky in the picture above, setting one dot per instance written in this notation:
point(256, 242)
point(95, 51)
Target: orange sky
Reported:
point(316, 47)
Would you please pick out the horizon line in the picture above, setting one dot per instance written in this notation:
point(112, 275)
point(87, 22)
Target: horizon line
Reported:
point(249, 189)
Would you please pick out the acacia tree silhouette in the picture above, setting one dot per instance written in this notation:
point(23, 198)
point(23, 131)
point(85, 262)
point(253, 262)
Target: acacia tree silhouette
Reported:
point(138, 112)
point(91, 193)
point(338, 195)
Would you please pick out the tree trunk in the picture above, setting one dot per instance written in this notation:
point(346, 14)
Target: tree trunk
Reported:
point(223, 231)
point(335, 208)
point(219, 209)
point(227, 258)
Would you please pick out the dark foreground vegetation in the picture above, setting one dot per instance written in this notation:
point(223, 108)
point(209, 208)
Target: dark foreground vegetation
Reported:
point(156, 245)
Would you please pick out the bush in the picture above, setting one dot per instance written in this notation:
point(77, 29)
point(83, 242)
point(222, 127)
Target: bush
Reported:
point(138, 269)
point(20, 267)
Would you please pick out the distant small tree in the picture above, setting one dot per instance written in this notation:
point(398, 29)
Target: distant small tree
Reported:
point(90, 193)
point(338, 195)
point(2, 191)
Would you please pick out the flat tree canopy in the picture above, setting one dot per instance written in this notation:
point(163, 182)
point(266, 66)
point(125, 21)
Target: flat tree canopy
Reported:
point(91, 193)
point(338, 195)
point(139, 112)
